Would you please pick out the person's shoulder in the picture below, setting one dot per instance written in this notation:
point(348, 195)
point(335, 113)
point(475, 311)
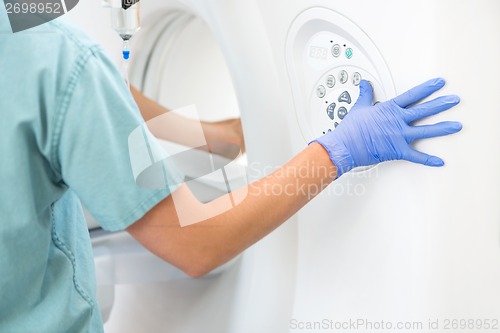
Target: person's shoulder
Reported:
point(65, 47)
point(56, 39)
point(74, 37)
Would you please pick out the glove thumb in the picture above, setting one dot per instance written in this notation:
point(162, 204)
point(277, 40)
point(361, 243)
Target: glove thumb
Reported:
point(365, 94)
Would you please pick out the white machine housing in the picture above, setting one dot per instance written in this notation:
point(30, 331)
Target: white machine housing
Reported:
point(398, 242)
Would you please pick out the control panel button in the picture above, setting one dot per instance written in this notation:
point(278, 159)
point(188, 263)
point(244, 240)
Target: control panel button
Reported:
point(336, 124)
point(336, 50)
point(343, 76)
point(342, 112)
point(349, 53)
point(356, 79)
point(321, 91)
point(345, 97)
point(330, 111)
point(330, 81)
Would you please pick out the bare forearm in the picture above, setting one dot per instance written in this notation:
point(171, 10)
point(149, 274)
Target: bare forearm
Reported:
point(272, 200)
point(176, 128)
point(201, 247)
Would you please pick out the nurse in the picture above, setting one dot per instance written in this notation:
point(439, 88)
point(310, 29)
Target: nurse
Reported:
point(66, 116)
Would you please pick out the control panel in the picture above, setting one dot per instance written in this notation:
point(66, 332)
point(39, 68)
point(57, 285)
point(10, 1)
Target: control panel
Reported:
point(327, 57)
point(340, 67)
point(334, 95)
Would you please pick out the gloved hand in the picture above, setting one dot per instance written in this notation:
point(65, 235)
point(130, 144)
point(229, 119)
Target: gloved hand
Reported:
point(371, 134)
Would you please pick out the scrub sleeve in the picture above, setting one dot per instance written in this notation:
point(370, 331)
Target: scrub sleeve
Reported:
point(92, 139)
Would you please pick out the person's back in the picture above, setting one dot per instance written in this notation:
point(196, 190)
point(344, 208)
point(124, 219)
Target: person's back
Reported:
point(44, 287)
point(66, 116)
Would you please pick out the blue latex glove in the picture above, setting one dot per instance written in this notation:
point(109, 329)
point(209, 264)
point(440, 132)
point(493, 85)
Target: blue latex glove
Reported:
point(371, 134)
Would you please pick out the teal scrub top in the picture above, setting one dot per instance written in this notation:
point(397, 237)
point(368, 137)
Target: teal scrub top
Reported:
point(66, 116)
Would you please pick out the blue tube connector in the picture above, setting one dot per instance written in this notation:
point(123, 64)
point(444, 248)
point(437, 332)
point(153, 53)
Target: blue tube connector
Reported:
point(126, 54)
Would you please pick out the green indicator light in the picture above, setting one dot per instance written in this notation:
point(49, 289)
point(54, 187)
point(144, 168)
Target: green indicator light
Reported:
point(348, 53)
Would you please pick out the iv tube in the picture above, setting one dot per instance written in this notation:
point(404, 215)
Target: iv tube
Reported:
point(126, 21)
point(125, 62)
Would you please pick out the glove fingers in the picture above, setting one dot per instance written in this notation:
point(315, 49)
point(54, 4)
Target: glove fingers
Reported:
point(365, 94)
point(421, 158)
point(431, 131)
point(419, 92)
point(431, 108)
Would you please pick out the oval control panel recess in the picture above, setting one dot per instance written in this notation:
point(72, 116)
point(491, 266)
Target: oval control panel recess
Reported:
point(327, 56)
